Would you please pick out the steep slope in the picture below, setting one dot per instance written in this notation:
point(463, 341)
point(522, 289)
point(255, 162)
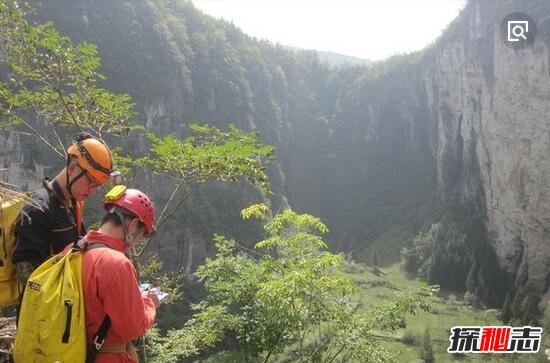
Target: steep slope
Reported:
point(489, 106)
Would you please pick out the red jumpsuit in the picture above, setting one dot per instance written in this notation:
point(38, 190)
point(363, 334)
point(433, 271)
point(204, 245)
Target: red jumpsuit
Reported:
point(111, 287)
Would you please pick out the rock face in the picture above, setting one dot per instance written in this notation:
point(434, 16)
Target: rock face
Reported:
point(15, 168)
point(373, 151)
point(490, 106)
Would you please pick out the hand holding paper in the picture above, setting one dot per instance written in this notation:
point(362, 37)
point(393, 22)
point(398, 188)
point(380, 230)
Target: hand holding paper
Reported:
point(147, 286)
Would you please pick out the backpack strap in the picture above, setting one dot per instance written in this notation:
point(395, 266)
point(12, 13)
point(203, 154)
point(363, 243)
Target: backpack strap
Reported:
point(99, 337)
point(85, 245)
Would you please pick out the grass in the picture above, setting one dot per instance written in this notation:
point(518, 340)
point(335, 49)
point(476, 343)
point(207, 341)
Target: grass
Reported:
point(448, 310)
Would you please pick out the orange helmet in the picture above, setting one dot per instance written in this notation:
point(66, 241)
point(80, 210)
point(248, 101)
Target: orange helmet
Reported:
point(93, 156)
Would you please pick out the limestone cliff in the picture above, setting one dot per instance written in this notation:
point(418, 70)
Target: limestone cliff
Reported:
point(490, 107)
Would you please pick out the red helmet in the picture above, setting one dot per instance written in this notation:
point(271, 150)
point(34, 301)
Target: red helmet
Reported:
point(134, 201)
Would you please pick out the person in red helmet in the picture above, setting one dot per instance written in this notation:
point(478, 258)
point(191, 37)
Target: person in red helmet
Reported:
point(109, 278)
point(58, 222)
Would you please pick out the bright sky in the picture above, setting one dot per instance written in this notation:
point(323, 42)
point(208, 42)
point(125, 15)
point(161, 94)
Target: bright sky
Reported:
point(372, 29)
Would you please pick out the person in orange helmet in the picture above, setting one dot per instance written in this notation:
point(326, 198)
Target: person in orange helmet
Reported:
point(45, 231)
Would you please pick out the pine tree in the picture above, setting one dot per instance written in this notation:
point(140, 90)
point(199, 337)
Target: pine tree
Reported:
point(436, 273)
point(374, 258)
point(472, 287)
point(471, 280)
point(482, 286)
point(506, 309)
point(531, 311)
point(427, 352)
point(517, 305)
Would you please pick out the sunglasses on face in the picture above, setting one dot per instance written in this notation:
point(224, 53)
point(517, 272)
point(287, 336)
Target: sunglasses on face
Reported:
point(92, 183)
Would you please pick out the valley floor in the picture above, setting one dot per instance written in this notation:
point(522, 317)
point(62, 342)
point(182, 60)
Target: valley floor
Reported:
point(448, 310)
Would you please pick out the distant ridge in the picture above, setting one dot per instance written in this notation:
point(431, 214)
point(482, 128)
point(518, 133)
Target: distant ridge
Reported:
point(337, 59)
point(332, 58)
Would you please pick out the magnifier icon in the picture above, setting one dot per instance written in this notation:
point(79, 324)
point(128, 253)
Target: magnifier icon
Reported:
point(517, 30)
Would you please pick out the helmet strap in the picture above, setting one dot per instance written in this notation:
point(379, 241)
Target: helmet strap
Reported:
point(68, 184)
point(127, 236)
point(94, 164)
point(73, 180)
point(122, 220)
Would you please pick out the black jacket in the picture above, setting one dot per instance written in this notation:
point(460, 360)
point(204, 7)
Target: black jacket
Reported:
point(42, 233)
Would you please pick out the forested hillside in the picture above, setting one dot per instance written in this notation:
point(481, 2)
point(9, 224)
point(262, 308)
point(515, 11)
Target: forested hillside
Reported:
point(335, 159)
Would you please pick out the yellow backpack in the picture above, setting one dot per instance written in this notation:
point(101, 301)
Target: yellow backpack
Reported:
point(9, 215)
point(52, 319)
point(52, 325)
